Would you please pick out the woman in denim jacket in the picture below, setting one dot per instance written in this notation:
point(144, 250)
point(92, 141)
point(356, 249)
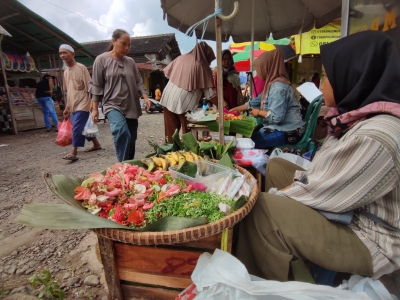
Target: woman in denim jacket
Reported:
point(277, 105)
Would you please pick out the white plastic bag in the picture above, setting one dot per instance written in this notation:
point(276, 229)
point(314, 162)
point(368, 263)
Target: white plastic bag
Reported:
point(373, 288)
point(90, 129)
point(293, 158)
point(222, 276)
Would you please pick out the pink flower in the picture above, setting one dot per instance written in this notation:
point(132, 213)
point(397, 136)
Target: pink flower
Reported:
point(113, 193)
point(187, 189)
point(148, 206)
point(198, 186)
point(131, 206)
point(172, 190)
point(83, 195)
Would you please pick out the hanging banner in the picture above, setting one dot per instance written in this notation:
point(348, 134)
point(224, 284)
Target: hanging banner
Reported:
point(309, 42)
point(379, 15)
point(18, 62)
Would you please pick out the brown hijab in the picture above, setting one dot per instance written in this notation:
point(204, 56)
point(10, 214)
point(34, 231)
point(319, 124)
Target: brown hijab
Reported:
point(191, 71)
point(270, 67)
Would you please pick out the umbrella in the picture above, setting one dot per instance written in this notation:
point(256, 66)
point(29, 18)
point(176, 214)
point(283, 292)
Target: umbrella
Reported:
point(246, 20)
point(243, 53)
point(282, 18)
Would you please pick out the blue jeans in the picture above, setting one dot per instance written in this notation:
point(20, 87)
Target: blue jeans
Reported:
point(124, 132)
point(47, 105)
point(264, 141)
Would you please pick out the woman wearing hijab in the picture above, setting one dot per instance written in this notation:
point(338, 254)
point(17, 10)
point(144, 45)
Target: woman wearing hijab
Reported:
point(282, 122)
point(357, 168)
point(189, 77)
point(117, 83)
point(231, 81)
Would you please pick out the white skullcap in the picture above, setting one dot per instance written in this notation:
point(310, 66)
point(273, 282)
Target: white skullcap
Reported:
point(67, 47)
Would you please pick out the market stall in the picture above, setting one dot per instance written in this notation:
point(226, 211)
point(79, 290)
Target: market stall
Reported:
point(29, 51)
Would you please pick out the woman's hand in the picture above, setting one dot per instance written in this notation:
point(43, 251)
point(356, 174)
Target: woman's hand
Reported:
point(255, 112)
point(146, 101)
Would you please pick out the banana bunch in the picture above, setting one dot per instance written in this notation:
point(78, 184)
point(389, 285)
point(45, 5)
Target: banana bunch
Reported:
point(163, 162)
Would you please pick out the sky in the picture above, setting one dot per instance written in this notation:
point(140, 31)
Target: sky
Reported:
point(94, 20)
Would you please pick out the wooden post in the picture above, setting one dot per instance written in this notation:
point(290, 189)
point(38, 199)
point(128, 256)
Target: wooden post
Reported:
point(3, 70)
point(106, 247)
point(220, 83)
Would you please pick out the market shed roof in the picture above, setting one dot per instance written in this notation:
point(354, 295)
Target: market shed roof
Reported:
point(161, 45)
point(30, 32)
point(3, 31)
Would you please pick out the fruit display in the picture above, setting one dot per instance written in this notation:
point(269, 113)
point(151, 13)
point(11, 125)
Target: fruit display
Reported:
point(164, 161)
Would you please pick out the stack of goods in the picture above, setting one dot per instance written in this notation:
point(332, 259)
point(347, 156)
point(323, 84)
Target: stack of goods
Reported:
point(22, 96)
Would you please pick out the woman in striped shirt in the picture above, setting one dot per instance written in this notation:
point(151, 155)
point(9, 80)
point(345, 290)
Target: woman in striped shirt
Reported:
point(189, 78)
point(358, 168)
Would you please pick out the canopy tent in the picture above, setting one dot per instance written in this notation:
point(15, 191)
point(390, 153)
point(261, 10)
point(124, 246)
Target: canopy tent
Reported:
point(31, 33)
point(247, 21)
point(242, 52)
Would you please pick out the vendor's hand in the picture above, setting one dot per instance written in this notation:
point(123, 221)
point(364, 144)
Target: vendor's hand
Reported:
point(95, 115)
point(255, 112)
point(147, 101)
point(66, 114)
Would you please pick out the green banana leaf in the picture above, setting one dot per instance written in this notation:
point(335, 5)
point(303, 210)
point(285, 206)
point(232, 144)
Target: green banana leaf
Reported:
point(72, 215)
point(214, 126)
point(63, 216)
point(226, 161)
point(191, 142)
point(178, 145)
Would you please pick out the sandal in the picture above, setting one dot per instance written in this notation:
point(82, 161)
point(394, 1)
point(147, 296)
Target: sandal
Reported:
point(70, 157)
point(93, 149)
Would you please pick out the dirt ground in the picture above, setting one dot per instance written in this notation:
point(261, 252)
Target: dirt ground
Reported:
point(68, 254)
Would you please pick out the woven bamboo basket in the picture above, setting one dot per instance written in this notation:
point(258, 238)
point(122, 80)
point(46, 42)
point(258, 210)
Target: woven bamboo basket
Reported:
point(187, 234)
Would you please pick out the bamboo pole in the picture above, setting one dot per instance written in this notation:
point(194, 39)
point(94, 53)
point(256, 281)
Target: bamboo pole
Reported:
point(3, 71)
point(219, 80)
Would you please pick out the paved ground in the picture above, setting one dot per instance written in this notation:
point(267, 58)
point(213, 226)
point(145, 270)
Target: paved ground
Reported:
point(70, 254)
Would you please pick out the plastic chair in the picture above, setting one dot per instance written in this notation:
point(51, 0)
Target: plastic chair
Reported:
point(310, 120)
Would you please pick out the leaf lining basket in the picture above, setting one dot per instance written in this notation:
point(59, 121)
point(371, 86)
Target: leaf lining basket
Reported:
point(187, 234)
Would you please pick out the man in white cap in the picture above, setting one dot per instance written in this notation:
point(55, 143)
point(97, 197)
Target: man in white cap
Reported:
point(77, 102)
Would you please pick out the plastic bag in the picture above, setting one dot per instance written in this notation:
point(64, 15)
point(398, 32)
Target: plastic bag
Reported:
point(293, 158)
point(222, 276)
point(90, 129)
point(64, 136)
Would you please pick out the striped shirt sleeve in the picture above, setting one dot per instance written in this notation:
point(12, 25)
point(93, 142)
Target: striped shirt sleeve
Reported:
point(342, 178)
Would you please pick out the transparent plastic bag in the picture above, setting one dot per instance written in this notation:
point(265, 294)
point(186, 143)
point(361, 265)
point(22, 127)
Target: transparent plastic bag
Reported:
point(91, 129)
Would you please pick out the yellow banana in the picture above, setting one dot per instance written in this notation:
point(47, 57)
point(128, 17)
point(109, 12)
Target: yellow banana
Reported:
point(195, 156)
point(171, 160)
point(188, 156)
point(174, 155)
point(181, 158)
point(157, 161)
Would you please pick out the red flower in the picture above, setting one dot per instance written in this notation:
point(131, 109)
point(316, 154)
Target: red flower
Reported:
point(119, 215)
point(136, 217)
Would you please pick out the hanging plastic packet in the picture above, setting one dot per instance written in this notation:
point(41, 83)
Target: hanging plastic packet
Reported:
point(91, 129)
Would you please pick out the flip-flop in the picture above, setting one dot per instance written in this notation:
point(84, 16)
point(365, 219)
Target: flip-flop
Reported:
point(70, 157)
point(93, 149)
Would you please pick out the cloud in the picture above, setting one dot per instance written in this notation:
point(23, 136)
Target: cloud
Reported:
point(88, 20)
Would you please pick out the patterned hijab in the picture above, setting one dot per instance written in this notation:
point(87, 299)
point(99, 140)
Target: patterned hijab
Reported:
point(191, 71)
point(364, 71)
point(270, 67)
